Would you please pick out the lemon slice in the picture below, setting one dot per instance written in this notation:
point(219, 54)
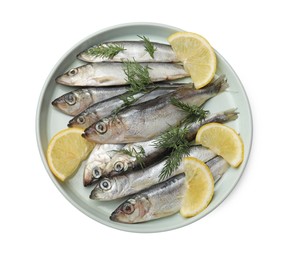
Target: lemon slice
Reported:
point(66, 150)
point(197, 55)
point(200, 187)
point(222, 140)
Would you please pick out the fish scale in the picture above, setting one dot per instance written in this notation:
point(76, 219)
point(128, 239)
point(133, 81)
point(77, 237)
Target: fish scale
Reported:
point(147, 120)
point(76, 101)
point(112, 74)
point(104, 108)
point(161, 199)
point(128, 183)
point(121, 161)
point(134, 51)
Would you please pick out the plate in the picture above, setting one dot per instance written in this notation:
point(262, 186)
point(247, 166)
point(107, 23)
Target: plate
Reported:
point(49, 121)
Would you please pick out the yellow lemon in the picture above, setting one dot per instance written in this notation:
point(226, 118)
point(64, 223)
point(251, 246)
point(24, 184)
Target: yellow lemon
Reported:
point(197, 55)
point(66, 150)
point(223, 140)
point(200, 187)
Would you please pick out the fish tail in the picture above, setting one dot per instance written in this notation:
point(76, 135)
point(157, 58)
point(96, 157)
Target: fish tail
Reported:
point(218, 85)
point(222, 82)
point(230, 114)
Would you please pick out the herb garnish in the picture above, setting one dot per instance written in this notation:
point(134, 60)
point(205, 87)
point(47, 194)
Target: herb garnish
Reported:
point(138, 155)
point(175, 138)
point(138, 76)
point(105, 50)
point(193, 113)
point(149, 47)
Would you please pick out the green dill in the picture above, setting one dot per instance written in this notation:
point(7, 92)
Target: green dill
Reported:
point(149, 47)
point(193, 113)
point(175, 140)
point(137, 76)
point(106, 50)
point(138, 155)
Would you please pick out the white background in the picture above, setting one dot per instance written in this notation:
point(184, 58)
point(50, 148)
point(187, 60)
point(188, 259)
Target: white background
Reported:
point(37, 222)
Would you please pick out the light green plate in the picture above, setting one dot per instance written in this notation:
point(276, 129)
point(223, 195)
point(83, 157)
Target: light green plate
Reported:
point(49, 121)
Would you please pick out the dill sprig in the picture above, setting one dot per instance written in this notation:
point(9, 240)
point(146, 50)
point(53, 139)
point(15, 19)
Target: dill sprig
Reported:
point(193, 113)
point(105, 50)
point(175, 140)
point(149, 47)
point(137, 76)
point(138, 155)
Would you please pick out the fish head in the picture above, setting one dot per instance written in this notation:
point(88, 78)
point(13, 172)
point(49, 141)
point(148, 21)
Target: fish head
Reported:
point(66, 102)
point(82, 120)
point(133, 210)
point(104, 131)
point(95, 167)
point(74, 102)
point(78, 121)
point(105, 189)
point(119, 163)
point(76, 76)
point(92, 173)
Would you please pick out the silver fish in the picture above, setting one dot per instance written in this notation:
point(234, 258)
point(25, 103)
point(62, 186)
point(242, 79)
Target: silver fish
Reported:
point(221, 117)
point(147, 120)
point(133, 51)
point(100, 156)
point(133, 155)
point(76, 101)
point(104, 108)
point(112, 74)
point(129, 183)
point(120, 162)
point(218, 166)
point(162, 199)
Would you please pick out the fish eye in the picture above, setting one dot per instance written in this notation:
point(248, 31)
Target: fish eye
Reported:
point(96, 173)
point(81, 120)
point(72, 72)
point(105, 184)
point(70, 99)
point(118, 166)
point(128, 208)
point(101, 127)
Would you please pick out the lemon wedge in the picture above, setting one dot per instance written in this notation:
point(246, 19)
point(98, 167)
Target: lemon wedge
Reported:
point(66, 150)
point(200, 187)
point(197, 55)
point(222, 140)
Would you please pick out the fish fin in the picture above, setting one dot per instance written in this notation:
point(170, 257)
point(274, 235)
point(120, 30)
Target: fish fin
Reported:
point(101, 80)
